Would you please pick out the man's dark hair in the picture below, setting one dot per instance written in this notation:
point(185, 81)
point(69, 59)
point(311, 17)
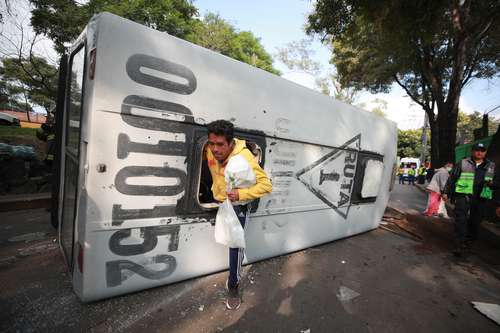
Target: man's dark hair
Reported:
point(222, 127)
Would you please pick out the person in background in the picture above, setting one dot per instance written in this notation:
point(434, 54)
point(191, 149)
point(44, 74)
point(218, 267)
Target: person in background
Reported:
point(436, 187)
point(421, 175)
point(47, 133)
point(429, 172)
point(470, 186)
point(401, 175)
point(411, 175)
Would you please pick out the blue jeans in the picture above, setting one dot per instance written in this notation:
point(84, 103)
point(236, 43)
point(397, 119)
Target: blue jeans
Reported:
point(236, 255)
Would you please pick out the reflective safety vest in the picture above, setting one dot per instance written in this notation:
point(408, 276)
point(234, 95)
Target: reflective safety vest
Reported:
point(411, 172)
point(421, 171)
point(465, 183)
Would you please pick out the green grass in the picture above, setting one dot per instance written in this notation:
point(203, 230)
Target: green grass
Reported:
point(14, 131)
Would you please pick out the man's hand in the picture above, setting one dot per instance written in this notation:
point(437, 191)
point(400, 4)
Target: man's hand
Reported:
point(444, 197)
point(489, 183)
point(233, 195)
point(497, 211)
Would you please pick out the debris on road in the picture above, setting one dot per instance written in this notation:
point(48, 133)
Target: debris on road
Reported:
point(33, 236)
point(38, 248)
point(345, 294)
point(490, 310)
point(7, 261)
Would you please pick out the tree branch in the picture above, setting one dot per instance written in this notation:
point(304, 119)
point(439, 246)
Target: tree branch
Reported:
point(413, 97)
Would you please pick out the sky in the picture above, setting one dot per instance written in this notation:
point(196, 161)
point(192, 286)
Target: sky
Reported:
point(278, 22)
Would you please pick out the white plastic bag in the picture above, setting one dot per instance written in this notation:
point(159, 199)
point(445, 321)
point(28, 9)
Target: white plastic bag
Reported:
point(442, 211)
point(239, 173)
point(228, 229)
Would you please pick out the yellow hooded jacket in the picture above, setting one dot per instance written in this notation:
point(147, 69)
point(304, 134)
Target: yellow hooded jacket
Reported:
point(262, 186)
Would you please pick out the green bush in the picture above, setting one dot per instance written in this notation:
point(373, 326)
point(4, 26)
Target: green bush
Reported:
point(14, 131)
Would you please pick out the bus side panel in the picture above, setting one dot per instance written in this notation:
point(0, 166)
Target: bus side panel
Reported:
point(151, 244)
point(148, 105)
point(131, 260)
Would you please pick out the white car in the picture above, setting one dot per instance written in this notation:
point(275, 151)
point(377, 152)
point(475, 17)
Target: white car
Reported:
point(8, 120)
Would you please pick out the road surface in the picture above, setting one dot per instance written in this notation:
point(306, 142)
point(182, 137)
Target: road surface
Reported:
point(374, 282)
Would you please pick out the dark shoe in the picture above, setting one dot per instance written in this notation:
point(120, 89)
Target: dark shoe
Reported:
point(460, 250)
point(233, 300)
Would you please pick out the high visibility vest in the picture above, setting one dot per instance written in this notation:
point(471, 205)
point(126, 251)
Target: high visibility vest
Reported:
point(421, 171)
point(465, 183)
point(411, 172)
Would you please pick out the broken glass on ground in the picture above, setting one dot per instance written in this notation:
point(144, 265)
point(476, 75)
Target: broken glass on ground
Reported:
point(345, 294)
point(490, 310)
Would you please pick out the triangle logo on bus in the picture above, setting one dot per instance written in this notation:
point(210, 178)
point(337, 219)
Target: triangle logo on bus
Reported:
point(331, 178)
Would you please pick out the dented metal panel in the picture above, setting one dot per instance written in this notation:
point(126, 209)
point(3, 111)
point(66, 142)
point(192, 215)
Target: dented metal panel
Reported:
point(151, 97)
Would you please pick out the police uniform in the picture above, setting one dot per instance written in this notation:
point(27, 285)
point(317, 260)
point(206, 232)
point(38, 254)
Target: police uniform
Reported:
point(46, 133)
point(469, 187)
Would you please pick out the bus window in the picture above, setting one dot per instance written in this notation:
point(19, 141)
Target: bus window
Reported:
point(369, 173)
point(75, 100)
point(205, 196)
point(72, 151)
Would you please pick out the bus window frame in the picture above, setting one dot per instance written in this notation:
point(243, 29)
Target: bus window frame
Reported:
point(81, 45)
point(203, 143)
point(189, 206)
point(363, 158)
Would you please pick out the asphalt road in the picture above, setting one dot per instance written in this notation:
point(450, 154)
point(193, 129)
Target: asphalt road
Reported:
point(397, 288)
point(408, 198)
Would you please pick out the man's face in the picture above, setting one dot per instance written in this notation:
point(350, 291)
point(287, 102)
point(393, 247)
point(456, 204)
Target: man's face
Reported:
point(219, 146)
point(479, 154)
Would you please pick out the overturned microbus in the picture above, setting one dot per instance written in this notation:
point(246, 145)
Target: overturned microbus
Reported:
point(134, 204)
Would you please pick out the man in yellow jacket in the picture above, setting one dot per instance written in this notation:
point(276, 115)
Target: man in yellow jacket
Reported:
point(222, 145)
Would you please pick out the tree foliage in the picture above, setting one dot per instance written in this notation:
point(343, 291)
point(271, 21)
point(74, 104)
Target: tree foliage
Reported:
point(217, 34)
point(377, 106)
point(410, 143)
point(432, 49)
point(63, 20)
point(27, 82)
point(467, 123)
point(299, 56)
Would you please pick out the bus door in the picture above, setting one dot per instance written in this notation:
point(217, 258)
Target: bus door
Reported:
point(71, 152)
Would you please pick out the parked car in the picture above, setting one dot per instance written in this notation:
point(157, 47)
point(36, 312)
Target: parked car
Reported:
point(8, 120)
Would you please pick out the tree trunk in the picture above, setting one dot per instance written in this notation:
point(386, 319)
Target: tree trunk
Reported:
point(434, 143)
point(444, 134)
point(27, 108)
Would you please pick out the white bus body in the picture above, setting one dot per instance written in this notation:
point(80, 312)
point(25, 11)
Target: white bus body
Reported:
point(135, 108)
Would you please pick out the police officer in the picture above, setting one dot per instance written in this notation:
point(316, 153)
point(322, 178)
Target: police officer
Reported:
point(47, 133)
point(470, 186)
point(421, 175)
point(401, 174)
point(411, 175)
